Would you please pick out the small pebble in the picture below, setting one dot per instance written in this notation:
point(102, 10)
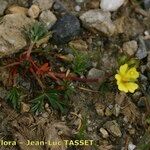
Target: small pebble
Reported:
point(100, 109)
point(141, 102)
point(90, 129)
point(104, 133)
point(34, 11)
point(113, 128)
point(79, 1)
point(48, 18)
point(130, 47)
point(131, 146)
point(146, 33)
point(77, 8)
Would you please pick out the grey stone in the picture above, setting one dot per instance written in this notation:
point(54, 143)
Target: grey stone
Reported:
point(79, 1)
point(147, 43)
point(130, 47)
point(48, 18)
point(98, 20)
point(148, 62)
point(43, 4)
point(59, 7)
point(141, 102)
point(147, 4)
point(117, 110)
point(142, 50)
point(136, 95)
point(100, 109)
point(113, 128)
point(95, 73)
point(3, 6)
point(65, 29)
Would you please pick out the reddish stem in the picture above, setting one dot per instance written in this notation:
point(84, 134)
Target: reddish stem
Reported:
point(73, 78)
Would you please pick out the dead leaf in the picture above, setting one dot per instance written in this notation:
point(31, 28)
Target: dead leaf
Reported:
point(43, 69)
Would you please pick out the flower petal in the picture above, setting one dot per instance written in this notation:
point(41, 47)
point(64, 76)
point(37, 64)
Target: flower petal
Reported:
point(132, 73)
point(122, 87)
point(118, 77)
point(131, 86)
point(123, 69)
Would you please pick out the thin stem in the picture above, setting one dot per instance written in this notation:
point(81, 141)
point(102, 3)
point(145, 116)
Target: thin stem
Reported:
point(10, 65)
point(38, 79)
point(30, 49)
point(73, 78)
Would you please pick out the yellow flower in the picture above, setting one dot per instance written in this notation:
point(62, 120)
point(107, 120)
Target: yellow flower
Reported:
point(126, 78)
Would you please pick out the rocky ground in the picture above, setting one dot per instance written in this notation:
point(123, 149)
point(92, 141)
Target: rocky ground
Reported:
point(58, 60)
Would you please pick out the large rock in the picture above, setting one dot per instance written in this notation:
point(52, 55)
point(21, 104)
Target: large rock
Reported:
point(23, 3)
point(12, 39)
point(66, 28)
point(14, 9)
point(111, 5)
point(16, 21)
point(98, 20)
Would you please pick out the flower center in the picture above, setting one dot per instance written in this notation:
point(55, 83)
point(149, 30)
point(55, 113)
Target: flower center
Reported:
point(132, 73)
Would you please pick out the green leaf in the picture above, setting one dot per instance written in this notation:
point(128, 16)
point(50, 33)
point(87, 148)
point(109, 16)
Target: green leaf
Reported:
point(13, 98)
point(53, 99)
point(38, 104)
point(52, 96)
point(37, 31)
point(80, 62)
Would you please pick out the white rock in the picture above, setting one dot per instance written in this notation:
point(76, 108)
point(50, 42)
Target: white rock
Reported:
point(131, 146)
point(111, 5)
point(48, 18)
point(98, 20)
